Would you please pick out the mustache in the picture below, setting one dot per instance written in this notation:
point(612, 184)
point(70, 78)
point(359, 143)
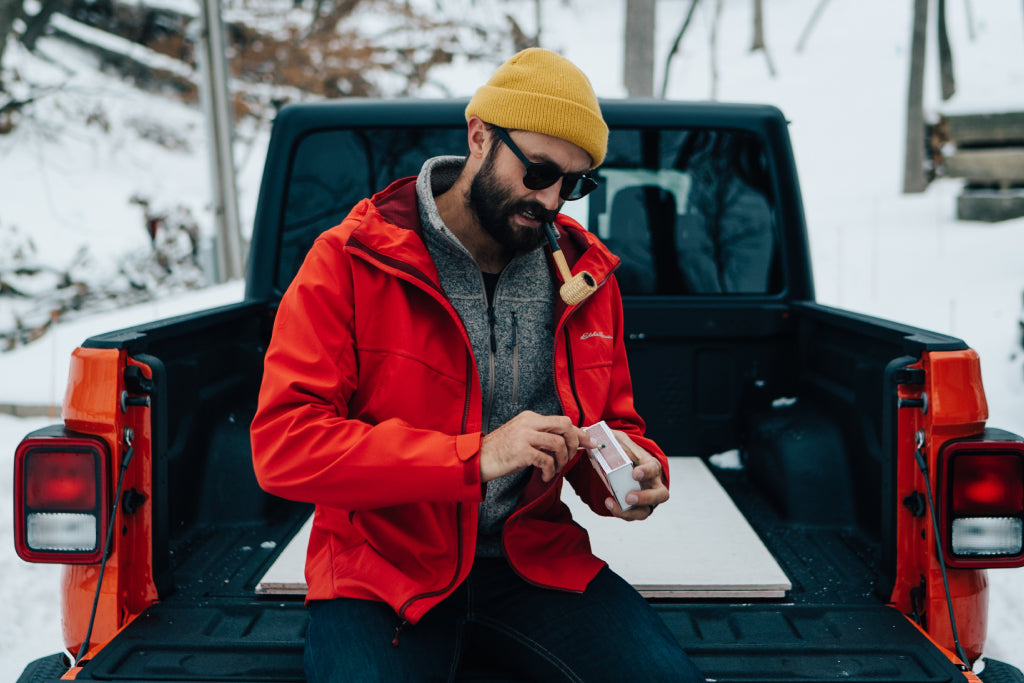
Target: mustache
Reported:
point(538, 210)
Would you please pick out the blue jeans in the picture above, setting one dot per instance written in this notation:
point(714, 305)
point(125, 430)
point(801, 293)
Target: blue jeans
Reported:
point(607, 633)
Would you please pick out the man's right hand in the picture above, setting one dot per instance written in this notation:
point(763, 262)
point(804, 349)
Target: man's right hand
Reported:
point(544, 441)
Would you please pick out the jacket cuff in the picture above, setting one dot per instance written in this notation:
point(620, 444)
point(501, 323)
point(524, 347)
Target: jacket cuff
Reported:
point(467, 449)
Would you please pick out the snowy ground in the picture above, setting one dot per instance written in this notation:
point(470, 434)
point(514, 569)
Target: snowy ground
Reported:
point(874, 250)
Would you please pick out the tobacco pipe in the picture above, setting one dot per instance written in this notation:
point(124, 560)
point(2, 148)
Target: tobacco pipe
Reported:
point(575, 288)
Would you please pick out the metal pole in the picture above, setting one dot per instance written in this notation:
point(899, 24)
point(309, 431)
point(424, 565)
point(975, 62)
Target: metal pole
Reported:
point(217, 112)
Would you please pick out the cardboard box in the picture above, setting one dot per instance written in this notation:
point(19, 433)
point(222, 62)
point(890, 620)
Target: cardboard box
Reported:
point(612, 463)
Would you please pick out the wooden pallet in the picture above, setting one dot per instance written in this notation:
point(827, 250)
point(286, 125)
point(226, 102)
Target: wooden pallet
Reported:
point(987, 150)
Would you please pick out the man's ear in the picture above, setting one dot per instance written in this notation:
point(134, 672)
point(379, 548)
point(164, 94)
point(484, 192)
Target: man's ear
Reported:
point(479, 137)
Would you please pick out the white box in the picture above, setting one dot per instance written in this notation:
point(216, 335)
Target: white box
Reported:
point(612, 463)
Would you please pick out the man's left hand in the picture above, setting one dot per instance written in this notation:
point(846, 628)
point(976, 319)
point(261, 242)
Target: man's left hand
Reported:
point(653, 491)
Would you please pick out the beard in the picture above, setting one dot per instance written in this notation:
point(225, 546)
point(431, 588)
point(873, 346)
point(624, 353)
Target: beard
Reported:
point(496, 208)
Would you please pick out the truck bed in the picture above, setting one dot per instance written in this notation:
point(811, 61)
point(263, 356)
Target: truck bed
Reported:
point(214, 627)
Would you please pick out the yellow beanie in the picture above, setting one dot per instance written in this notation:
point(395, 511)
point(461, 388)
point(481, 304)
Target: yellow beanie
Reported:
point(540, 91)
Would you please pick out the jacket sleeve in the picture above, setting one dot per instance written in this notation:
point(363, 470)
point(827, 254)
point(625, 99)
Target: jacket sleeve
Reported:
point(618, 411)
point(306, 447)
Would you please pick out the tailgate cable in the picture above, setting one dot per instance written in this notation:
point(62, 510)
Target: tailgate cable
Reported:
point(922, 465)
point(129, 436)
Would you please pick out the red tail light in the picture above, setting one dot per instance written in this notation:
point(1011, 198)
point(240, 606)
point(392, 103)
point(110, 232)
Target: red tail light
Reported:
point(983, 510)
point(60, 497)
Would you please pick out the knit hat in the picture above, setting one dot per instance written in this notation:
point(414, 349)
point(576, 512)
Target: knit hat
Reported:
point(543, 92)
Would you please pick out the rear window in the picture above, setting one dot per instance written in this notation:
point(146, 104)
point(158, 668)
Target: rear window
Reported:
point(689, 211)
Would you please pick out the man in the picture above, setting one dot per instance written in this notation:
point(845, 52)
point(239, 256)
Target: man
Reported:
point(425, 388)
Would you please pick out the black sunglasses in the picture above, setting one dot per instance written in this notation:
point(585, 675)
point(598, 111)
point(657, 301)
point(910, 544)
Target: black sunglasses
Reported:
point(542, 175)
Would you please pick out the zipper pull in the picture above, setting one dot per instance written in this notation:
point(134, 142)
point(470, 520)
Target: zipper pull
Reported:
point(491, 321)
point(398, 632)
point(515, 329)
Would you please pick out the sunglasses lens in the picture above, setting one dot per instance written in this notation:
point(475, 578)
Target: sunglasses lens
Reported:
point(541, 176)
point(583, 185)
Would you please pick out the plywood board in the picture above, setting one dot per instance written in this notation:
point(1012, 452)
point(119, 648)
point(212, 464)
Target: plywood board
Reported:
point(698, 544)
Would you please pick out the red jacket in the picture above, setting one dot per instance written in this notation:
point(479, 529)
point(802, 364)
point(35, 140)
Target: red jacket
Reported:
point(371, 407)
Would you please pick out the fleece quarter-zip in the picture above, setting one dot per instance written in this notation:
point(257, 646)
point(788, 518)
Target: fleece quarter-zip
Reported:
point(511, 335)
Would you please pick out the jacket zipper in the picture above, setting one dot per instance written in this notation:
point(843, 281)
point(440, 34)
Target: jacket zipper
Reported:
point(515, 363)
point(489, 400)
point(458, 522)
point(436, 289)
point(522, 510)
point(572, 380)
point(579, 409)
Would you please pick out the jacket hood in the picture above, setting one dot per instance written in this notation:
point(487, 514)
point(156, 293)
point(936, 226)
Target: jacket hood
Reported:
point(401, 238)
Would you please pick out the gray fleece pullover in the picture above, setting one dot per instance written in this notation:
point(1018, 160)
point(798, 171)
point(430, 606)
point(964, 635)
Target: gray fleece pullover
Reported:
point(512, 339)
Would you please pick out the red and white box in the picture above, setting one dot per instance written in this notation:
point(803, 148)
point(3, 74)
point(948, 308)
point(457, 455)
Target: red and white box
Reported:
point(612, 463)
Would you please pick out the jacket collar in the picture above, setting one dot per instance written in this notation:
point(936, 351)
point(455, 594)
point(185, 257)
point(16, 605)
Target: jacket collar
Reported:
point(397, 235)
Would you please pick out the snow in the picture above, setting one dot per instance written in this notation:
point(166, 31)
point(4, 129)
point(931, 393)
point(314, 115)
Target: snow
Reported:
point(66, 178)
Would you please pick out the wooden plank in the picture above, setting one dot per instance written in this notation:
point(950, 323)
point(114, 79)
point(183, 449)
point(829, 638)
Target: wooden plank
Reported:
point(996, 165)
point(985, 128)
point(697, 545)
point(990, 206)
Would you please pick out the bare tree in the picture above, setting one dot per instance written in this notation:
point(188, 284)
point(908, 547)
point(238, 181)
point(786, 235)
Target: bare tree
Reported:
point(675, 45)
point(819, 9)
point(758, 41)
point(970, 20)
point(945, 56)
point(714, 48)
point(914, 179)
point(9, 11)
point(325, 22)
point(36, 24)
point(638, 69)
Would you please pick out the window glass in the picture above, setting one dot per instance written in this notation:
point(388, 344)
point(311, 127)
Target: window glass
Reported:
point(687, 211)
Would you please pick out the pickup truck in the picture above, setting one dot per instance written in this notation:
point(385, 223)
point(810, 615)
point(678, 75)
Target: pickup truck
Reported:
point(850, 453)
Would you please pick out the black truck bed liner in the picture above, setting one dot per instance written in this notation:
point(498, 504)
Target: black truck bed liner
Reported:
point(250, 640)
point(211, 626)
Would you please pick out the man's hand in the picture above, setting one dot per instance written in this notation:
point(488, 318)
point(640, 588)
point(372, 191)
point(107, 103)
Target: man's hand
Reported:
point(544, 441)
point(652, 491)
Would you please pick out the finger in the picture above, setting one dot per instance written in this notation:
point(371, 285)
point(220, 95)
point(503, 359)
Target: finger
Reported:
point(636, 453)
point(647, 472)
point(633, 514)
point(572, 434)
point(552, 444)
point(573, 439)
point(646, 497)
point(587, 441)
point(544, 462)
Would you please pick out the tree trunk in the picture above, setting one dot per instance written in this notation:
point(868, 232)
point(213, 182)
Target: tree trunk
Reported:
point(806, 33)
point(675, 46)
point(37, 23)
point(758, 42)
point(9, 10)
point(970, 20)
point(714, 49)
point(326, 22)
point(945, 56)
point(914, 179)
point(638, 69)
point(538, 21)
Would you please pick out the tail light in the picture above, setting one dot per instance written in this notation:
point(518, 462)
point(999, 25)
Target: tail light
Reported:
point(60, 497)
point(983, 510)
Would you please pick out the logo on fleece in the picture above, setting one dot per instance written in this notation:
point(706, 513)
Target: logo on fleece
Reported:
point(595, 333)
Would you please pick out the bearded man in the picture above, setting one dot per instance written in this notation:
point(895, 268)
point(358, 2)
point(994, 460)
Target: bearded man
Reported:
point(426, 389)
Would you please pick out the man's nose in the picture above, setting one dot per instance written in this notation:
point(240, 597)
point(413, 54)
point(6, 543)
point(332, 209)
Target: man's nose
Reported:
point(549, 196)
